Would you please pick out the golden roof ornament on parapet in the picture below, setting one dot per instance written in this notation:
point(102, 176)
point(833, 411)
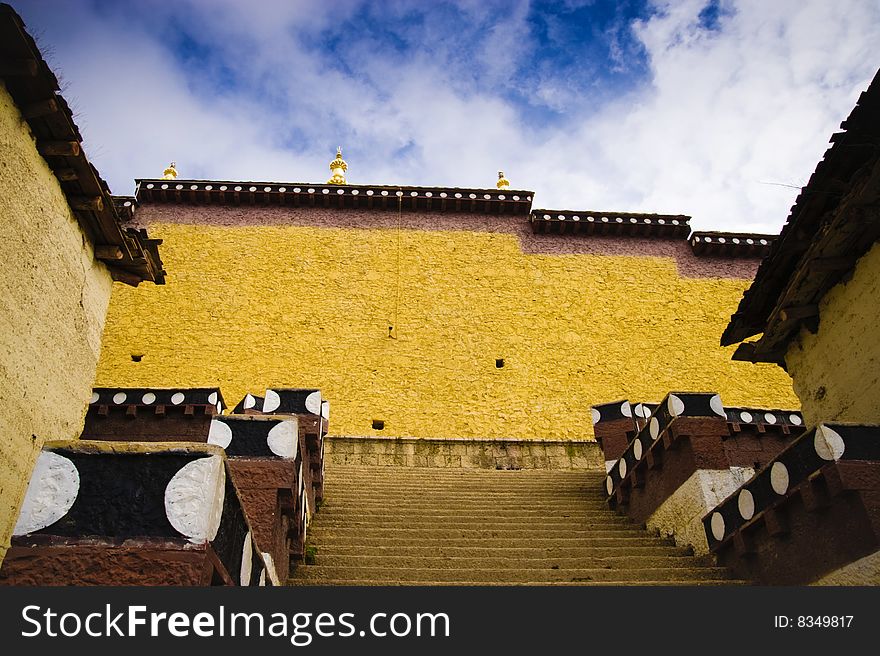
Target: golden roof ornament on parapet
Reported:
point(338, 167)
point(503, 183)
point(170, 173)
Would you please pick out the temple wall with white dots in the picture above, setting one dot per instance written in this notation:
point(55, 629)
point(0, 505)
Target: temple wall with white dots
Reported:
point(849, 315)
point(54, 296)
point(263, 297)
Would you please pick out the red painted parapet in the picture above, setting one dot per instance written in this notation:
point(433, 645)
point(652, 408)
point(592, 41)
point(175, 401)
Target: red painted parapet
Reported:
point(263, 457)
point(614, 428)
point(313, 413)
point(152, 414)
point(103, 513)
point(690, 454)
point(757, 435)
point(683, 435)
point(810, 515)
point(276, 459)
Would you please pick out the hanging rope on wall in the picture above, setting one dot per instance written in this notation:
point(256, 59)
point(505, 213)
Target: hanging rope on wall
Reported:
point(392, 329)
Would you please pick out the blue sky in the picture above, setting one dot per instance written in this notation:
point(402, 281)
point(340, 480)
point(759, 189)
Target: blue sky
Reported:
point(719, 109)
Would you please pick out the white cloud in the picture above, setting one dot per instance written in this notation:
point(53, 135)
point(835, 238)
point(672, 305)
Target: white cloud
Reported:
point(723, 112)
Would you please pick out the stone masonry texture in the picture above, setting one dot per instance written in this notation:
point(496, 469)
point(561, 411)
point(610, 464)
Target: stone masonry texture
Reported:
point(54, 296)
point(304, 297)
point(848, 319)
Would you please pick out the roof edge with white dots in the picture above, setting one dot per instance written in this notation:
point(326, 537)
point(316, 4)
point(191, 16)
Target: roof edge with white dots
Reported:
point(731, 244)
point(305, 194)
point(591, 222)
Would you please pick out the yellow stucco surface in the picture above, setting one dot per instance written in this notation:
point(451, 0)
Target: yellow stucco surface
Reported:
point(836, 372)
point(253, 307)
point(53, 296)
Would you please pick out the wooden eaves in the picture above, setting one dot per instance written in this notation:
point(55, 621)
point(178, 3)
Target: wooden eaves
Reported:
point(130, 255)
point(322, 195)
point(834, 221)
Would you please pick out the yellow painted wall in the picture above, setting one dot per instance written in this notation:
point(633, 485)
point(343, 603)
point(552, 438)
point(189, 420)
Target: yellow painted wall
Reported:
point(849, 331)
point(255, 307)
point(54, 297)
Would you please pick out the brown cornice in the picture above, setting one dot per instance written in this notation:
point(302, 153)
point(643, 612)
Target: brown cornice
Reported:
point(731, 244)
point(834, 221)
point(128, 253)
point(590, 222)
point(310, 194)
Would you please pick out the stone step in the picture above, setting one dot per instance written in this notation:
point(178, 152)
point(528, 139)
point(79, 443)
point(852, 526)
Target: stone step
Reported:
point(505, 513)
point(593, 493)
point(469, 583)
point(510, 502)
point(350, 494)
point(470, 521)
point(386, 471)
point(510, 510)
point(525, 483)
point(651, 561)
point(432, 484)
point(529, 526)
point(382, 514)
point(472, 502)
point(457, 535)
point(452, 551)
point(489, 476)
point(318, 531)
point(522, 541)
point(318, 572)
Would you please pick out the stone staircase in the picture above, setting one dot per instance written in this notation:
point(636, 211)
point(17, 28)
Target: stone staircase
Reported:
point(439, 526)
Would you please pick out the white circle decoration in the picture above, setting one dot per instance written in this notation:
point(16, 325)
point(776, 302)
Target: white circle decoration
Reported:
point(269, 568)
point(654, 428)
point(194, 499)
point(829, 444)
point(717, 524)
point(325, 410)
point(282, 439)
point(795, 419)
point(220, 433)
point(303, 501)
point(746, 417)
point(675, 405)
point(746, 504)
point(313, 403)
point(640, 410)
point(637, 449)
point(247, 556)
point(779, 478)
point(597, 416)
point(249, 401)
point(178, 398)
point(609, 485)
point(95, 397)
point(626, 409)
point(621, 468)
point(272, 401)
point(50, 494)
point(212, 398)
point(119, 397)
point(717, 406)
point(769, 417)
point(148, 399)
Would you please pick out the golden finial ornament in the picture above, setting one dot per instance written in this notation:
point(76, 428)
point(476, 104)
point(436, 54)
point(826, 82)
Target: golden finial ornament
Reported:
point(338, 167)
point(503, 183)
point(170, 173)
